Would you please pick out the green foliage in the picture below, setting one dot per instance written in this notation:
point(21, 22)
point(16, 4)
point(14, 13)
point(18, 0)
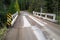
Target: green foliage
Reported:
point(17, 6)
point(48, 6)
point(7, 6)
point(24, 4)
point(3, 12)
point(14, 6)
point(11, 8)
point(2, 32)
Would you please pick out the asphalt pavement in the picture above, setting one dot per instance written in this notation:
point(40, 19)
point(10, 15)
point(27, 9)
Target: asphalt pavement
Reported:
point(29, 27)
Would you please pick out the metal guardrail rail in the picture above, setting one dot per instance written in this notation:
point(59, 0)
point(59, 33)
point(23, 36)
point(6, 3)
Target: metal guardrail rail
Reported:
point(14, 17)
point(47, 16)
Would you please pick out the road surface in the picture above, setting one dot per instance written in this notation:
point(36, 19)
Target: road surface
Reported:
point(29, 27)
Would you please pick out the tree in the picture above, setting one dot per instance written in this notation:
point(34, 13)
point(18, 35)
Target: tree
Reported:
point(17, 6)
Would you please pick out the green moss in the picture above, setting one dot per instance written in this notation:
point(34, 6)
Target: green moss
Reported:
point(2, 32)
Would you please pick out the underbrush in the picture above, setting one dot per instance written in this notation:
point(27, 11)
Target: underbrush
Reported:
point(2, 32)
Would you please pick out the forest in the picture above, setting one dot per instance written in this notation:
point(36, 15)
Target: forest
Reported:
point(11, 6)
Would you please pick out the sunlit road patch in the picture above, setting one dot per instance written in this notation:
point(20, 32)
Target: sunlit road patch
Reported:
point(38, 33)
point(26, 23)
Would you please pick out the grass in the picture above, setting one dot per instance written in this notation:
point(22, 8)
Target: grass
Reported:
point(2, 32)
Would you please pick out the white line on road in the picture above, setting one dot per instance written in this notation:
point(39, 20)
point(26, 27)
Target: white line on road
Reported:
point(26, 23)
point(36, 21)
point(54, 36)
point(38, 33)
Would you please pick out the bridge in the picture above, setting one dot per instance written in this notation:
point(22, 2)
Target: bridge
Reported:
point(30, 27)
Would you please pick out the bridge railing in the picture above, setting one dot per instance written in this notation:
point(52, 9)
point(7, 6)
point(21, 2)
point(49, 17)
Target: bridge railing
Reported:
point(14, 17)
point(47, 16)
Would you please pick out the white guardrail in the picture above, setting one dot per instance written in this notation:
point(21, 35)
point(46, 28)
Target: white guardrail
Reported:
point(14, 17)
point(47, 16)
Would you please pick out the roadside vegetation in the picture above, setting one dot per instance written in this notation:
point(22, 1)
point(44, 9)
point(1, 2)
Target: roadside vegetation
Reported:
point(2, 32)
point(6, 6)
point(11, 6)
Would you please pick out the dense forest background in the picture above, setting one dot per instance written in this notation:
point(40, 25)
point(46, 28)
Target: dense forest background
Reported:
point(11, 6)
point(48, 6)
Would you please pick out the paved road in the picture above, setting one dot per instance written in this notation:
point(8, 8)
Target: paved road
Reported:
point(29, 27)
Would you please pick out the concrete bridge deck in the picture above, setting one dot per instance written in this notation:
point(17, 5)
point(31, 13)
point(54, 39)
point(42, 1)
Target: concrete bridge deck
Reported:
point(28, 27)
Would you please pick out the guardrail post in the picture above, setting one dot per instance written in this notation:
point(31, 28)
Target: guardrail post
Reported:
point(54, 17)
point(34, 13)
point(45, 16)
